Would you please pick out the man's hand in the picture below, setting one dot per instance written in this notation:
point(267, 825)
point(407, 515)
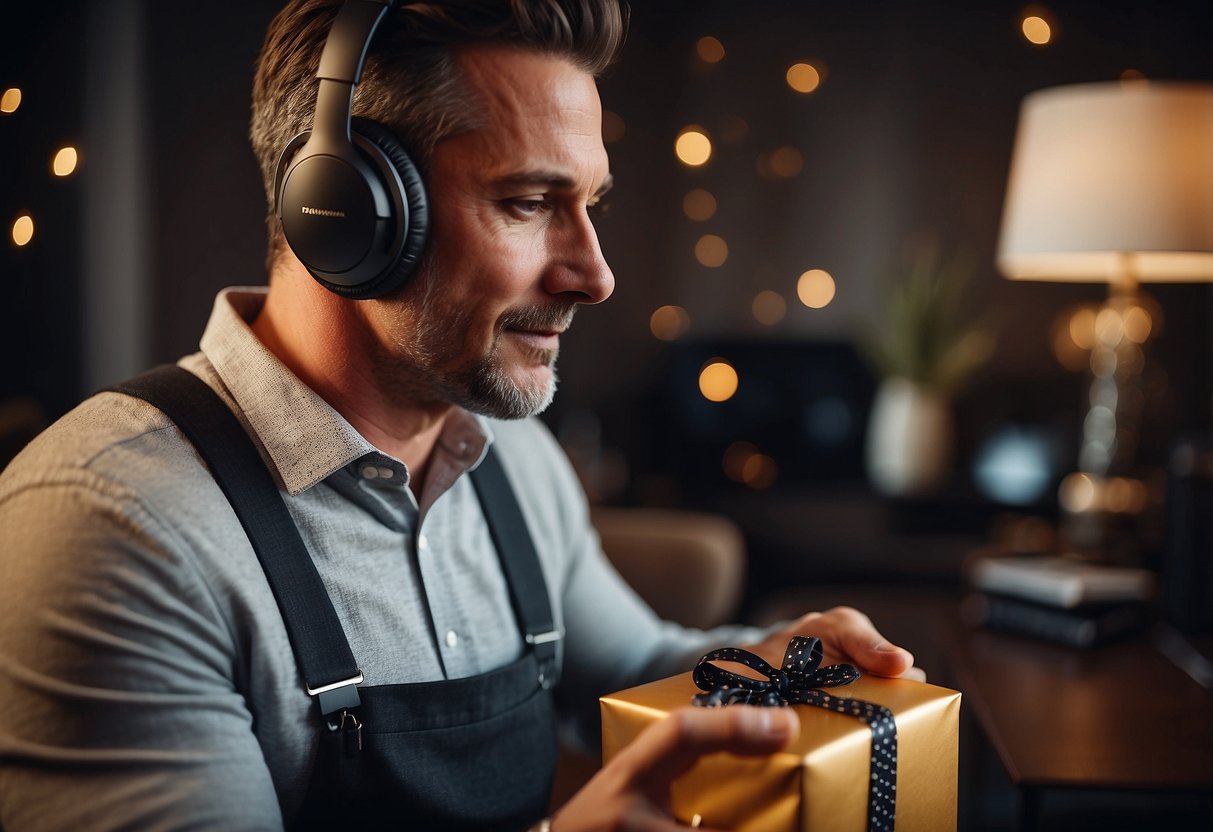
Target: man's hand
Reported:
point(632, 792)
point(847, 635)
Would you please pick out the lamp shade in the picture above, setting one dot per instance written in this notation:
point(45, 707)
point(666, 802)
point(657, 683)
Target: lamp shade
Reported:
point(1111, 181)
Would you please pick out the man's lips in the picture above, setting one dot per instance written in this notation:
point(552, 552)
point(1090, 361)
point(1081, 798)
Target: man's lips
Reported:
point(544, 339)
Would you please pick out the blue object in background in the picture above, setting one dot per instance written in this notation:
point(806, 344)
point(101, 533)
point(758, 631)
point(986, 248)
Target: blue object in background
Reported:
point(1015, 465)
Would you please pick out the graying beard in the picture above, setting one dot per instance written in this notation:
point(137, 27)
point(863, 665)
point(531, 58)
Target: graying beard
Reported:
point(486, 388)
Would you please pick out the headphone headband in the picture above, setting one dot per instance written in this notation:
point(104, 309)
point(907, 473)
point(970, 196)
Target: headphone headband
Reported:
point(350, 200)
point(341, 63)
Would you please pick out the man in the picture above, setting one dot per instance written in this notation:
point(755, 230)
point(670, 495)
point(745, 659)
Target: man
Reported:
point(148, 677)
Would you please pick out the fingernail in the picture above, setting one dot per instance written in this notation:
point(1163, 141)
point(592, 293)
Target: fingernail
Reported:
point(887, 647)
point(769, 722)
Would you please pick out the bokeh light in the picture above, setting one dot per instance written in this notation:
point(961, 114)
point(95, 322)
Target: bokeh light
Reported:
point(709, 49)
point(1077, 493)
point(10, 101)
point(735, 457)
point(1082, 328)
point(803, 77)
point(23, 230)
point(693, 147)
point(613, 127)
point(769, 307)
point(711, 251)
point(1109, 327)
point(669, 323)
point(815, 288)
point(699, 204)
point(787, 162)
point(718, 380)
point(1036, 29)
point(759, 472)
point(65, 160)
point(782, 163)
point(1137, 324)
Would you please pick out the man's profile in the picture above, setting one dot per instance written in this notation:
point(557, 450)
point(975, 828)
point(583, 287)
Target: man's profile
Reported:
point(150, 664)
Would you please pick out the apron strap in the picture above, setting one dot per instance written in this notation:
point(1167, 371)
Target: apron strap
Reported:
point(321, 648)
point(520, 561)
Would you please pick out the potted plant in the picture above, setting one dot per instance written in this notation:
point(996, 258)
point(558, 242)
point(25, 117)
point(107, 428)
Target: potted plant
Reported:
point(927, 344)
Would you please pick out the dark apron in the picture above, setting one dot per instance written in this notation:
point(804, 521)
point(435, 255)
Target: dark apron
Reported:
point(466, 754)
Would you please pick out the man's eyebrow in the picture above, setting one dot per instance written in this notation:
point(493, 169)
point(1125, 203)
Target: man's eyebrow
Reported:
point(550, 179)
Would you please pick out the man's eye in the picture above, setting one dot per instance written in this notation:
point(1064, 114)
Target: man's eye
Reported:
point(528, 206)
point(599, 209)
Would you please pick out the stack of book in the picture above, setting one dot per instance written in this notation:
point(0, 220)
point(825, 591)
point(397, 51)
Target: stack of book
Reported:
point(1057, 598)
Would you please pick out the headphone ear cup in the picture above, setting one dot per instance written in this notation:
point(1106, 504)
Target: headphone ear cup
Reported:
point(417, 212)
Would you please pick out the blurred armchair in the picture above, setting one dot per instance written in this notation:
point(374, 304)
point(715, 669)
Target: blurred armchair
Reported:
point(688, 566)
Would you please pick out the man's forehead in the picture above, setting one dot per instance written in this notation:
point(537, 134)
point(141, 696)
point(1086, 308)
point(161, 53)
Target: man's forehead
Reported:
point(520, 82)
point(539, 121)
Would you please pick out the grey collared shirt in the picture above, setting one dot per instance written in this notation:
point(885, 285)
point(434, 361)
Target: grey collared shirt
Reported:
point(146, 679)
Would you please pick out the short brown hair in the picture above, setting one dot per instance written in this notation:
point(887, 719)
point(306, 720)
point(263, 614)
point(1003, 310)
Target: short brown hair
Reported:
point(411, 83)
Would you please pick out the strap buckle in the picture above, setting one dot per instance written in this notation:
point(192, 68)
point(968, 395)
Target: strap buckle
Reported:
point(544, 638)
point(338, 695)
point(545, 651)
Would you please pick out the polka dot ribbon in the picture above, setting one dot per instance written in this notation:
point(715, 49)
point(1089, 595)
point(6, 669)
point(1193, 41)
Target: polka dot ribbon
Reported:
point(797, 683)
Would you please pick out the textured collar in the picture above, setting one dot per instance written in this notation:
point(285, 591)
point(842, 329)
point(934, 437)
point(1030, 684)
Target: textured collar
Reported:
point(306, 439)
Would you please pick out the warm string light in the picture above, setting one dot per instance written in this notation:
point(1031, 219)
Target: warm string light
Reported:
point(23, 230)
point(65, 161)
point(709, 49)
point(781, 163)
point(669, 323)
point(699, 205)
point(815, 288)
point(744, 463)
point(693, 147)
point(768, 307)
point(803, 77)
point(10, 100)
point(718, 380)
point(711, 251)
point(1037, 24)
point(1036, 29)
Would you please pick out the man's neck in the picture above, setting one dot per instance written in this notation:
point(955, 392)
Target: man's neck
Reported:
point(322, 349)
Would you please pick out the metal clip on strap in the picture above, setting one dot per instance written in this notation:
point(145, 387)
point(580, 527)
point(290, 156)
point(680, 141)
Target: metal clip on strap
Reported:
point(545, 652)
point(339, 695)
point(544, 638)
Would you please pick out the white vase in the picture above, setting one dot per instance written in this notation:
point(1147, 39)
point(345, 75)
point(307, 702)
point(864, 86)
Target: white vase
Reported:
point(910, 437)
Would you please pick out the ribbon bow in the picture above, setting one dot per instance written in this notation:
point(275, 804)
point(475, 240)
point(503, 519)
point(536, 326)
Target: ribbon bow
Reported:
point(796, 682)
point(792, 684)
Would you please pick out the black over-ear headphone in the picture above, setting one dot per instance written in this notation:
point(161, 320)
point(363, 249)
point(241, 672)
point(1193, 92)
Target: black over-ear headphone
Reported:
point(352, 204)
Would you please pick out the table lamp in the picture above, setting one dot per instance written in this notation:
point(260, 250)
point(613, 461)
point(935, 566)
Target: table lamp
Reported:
point(1111, 183)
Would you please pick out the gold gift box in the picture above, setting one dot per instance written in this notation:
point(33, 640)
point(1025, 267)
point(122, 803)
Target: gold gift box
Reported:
point(820, 781)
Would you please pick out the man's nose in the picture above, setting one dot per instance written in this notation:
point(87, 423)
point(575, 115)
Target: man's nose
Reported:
point(579, 271)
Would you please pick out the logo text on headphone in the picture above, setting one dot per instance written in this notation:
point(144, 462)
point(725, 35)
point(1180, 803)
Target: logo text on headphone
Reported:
point(321, 212)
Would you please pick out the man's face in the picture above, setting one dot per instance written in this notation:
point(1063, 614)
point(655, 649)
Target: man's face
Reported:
point(513, 251)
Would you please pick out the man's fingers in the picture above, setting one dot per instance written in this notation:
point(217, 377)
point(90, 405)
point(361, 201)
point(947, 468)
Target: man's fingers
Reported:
point(853, 634)
point(671, 746)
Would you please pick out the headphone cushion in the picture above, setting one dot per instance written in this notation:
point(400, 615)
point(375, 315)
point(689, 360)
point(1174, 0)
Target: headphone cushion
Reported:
point(417, 227)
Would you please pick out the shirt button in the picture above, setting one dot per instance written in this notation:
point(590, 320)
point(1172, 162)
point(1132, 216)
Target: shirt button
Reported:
point(386, 473)
point(452, 638)
point(423, 542)
point(370, 472)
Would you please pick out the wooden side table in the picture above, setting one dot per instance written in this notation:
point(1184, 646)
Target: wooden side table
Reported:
point(1120, 717)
